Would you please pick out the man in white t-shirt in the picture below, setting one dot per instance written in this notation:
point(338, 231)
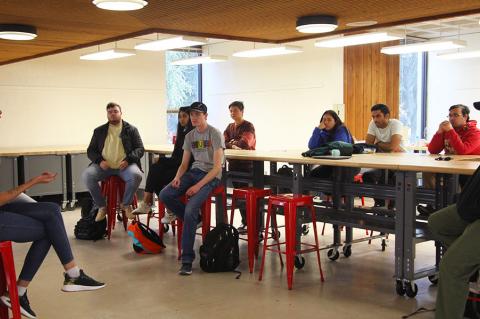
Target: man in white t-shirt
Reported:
point(386, 134)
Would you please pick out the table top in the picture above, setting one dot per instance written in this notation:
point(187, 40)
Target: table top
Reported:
point(460, 164)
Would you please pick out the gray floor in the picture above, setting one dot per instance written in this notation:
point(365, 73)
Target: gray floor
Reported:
point(147, 286)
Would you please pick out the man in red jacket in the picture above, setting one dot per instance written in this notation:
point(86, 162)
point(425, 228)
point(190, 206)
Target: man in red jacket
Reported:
point(459, 135)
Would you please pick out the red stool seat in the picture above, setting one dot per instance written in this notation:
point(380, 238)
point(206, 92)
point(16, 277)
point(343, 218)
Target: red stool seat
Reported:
point(290, 203)
point(8, 280)
point(251, 196)
point(113, 189)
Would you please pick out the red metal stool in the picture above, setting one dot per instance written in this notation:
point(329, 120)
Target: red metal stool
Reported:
point(113, 189)
point(206, 210)
point(8, 281)
point(175, 224)
point(251, 196)
point(290, 203)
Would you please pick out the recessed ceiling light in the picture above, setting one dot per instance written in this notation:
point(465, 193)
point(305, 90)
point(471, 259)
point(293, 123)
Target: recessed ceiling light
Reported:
point(19, 32)
point(120, 5)
point(108, 54)
point(201, 60)
point(171, 43)
point(356, 39)
point(459, 55)
point(278, 50)
point(316, 24)
point(361, 23)
point(439, 45)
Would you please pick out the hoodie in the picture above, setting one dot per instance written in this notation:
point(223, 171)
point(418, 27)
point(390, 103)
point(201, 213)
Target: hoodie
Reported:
point(460, 141)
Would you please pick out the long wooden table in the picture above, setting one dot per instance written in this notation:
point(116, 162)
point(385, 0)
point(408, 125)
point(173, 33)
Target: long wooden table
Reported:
point(404, 224)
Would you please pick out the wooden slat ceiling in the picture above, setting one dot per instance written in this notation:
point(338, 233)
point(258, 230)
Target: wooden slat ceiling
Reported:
point(71, 24)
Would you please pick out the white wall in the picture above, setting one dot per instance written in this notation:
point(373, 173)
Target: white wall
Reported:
point(452, 82)
point(284, 96)
point(60, 99)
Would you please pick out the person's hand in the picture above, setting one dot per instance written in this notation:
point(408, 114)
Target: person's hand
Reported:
point(447, 126)
point(175, 183)
point(321, 125)
point(44, 178)
point(443, 126)
point(123, 165)
point(235, 147)
point(192, 190)
point(104, 165)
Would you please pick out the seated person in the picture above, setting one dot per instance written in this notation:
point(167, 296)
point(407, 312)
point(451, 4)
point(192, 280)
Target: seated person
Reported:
point(115, 149)
point(459, 135)
point(459, 231)
point(239, 135)
point(24, 220)
point(164, 170)
point(205, 143)
point(386, 134)
point(330, 129)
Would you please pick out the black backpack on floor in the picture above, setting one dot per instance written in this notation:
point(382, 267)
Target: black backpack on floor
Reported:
point(87, 228)
point(219, 252)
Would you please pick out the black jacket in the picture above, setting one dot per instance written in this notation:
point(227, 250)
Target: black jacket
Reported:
point(131, 140)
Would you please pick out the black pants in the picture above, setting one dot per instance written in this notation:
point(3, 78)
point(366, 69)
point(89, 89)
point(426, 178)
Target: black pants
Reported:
point(160, 174)
point(377, 176)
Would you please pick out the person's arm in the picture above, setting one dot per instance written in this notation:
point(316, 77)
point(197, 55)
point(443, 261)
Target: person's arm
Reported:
point(470, 142)
point(437, 144)
point(370, 139)
point(318, 138)
point(182, 168)
point(342, 135)
point(9, 195)
point(226, 136)
point(393, 146)
point(217, 168)
point(138, 150)
point(246, 140)
point(93, 152)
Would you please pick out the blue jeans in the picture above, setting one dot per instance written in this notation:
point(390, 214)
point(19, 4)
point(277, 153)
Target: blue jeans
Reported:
point(132, 176)
point(188, 213)
point(24, 220)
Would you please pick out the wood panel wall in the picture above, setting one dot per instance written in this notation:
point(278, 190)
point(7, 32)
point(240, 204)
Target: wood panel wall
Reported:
point(370, 77)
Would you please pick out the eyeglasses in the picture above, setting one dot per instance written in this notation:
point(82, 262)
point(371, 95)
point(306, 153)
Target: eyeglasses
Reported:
point(446, 158)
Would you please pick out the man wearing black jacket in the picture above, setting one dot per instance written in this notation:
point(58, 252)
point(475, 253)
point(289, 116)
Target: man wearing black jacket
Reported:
point(115, 149)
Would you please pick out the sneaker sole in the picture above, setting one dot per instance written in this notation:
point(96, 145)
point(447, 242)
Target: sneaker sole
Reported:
point(76, 288)
point(185, 273)
point(6, 302)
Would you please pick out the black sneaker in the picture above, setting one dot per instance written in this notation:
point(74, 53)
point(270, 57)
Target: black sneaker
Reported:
point(24, 305)
point(81, 283)
point(185, 270)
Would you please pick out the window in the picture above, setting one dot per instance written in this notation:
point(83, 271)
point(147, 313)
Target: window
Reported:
point(413, 95)
point(183, 86)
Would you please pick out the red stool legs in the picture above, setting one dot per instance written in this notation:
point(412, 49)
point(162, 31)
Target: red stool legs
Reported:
point(8, 279)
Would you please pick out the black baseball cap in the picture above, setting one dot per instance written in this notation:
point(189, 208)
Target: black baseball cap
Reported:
point(198, 107)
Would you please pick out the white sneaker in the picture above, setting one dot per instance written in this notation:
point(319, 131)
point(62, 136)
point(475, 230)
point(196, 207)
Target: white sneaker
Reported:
point(128, 211)
point(169, 217)
point(101, 214)
point(143, 208)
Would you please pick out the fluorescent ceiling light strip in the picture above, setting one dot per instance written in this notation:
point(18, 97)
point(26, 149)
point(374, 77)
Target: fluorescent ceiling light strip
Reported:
point(424, 46)
point(120, 5)
point(279, 50)
point(365, 38)
point(171, 43)
point(200, 60)
point(459, 55)
point(108, 54)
